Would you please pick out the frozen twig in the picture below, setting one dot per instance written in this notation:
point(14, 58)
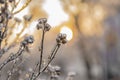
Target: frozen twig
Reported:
point(24, 44)
point(61, 39)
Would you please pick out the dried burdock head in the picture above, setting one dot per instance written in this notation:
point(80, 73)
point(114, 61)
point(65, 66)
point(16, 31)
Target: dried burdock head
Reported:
point(42, 20)
point(61, 38)
point(47, 27)
point(17, 19)
point(27, 40)
point(27, 17)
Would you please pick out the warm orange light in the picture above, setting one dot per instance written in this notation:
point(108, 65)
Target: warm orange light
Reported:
point(68, 32)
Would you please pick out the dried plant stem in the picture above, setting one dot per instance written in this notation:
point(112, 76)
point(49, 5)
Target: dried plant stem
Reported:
point(12, 57)
point(53, 54)
point(23, 7)
point(34, 71)
point(11, 71)
point(41, 49)
point(6, 49)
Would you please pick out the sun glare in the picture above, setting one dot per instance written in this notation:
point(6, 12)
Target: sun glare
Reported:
point(56, 14)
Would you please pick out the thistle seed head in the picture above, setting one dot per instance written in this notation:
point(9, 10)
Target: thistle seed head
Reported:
point(61, 38)
point(27, 40)
point(42, 20)
point(47, 27)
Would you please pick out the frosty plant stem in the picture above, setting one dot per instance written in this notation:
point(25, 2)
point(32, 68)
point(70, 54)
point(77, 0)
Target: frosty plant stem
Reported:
point(53, 54)
point(12, 57)
point(61, 39)
point(24, 44)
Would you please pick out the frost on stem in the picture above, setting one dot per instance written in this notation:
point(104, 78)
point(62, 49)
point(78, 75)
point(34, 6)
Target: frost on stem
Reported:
point(24, 44)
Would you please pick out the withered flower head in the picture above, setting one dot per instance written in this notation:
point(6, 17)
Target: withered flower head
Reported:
point(27, 40)
point(42, 20)
point(61, 38)
point(47, 27)
point(27, 17)
point(17, 19)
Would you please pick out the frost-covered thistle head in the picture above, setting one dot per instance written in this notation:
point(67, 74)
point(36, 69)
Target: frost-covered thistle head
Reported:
point(42, 24)
point(27, 40)
point(61, 38)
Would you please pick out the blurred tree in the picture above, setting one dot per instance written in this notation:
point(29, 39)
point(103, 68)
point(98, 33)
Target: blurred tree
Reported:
point(87, 18)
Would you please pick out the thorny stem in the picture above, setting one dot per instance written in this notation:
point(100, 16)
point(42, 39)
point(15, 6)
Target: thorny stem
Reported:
point(12, 57)
point(53, 54)
point(41, 50)
point(23, 7)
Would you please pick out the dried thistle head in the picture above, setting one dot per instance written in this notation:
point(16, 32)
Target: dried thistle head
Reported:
point(61, 38)
point(11, 1)
point(17, 20)
point(27, 17)
point(2, 1)
point(42, 24)
point(27, 40)
point(47, 27)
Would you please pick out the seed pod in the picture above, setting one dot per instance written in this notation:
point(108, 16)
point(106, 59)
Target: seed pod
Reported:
point(42, 20)
point(47, 27)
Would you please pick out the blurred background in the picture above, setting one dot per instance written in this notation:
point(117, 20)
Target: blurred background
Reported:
point(93, 34)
